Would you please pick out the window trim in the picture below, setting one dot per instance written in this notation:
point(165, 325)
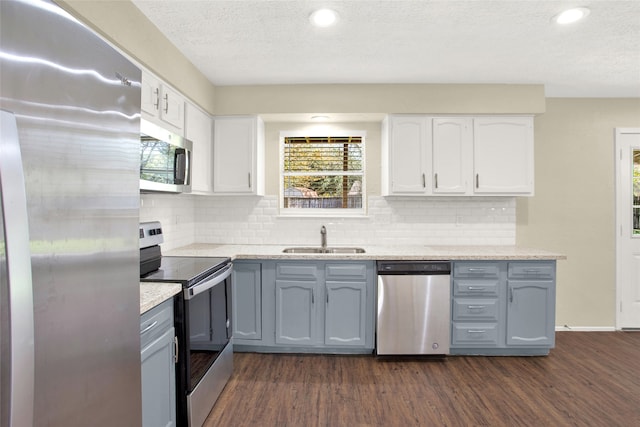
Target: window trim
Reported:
point(337, 213)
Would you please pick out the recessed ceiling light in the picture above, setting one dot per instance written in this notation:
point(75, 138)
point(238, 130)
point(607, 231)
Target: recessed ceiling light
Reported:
point(571, 15)
point(323, 18)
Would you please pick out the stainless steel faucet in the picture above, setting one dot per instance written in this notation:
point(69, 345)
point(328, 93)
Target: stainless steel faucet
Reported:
point(323, 237)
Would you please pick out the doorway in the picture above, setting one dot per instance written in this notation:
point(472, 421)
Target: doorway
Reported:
point(627, 141)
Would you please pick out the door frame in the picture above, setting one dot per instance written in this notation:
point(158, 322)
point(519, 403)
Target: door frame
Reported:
point(619, 218)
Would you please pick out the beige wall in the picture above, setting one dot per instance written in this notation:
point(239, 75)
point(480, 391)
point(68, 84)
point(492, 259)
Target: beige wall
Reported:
point(406, 98)
point(125, 26)
point(573, 211)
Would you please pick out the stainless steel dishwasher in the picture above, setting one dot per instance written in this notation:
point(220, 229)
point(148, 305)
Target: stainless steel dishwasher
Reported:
point(414, 308)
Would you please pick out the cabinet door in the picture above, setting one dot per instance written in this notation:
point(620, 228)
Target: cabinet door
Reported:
point(345, 315)
point(408, 151)
point(159, 382)
point(150, 90)
point(172, 107)
point(503, 155)
point(296, 312)
point(199, 130)
point(531, 313)
point(237, 148)
point(452, 155)
point(247, 301)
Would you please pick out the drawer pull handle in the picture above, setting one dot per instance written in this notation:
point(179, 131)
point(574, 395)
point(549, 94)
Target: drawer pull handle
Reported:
point(531, 270)
point(479, 270)
point(476, 331)
point(476, 288)
point(476, 307)
point(148, 328)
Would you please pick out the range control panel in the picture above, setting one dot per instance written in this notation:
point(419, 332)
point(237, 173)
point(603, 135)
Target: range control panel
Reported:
point(150, 234)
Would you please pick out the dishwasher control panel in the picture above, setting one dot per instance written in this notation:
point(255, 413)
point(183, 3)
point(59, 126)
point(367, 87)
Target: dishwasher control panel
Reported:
point(414, 267)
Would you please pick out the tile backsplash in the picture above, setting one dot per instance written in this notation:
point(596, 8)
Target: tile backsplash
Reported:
point(390, 221)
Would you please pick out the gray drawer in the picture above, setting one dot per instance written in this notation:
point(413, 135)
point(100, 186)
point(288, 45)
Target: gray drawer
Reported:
point(346, 271)
point(468, 309)
point(485, 334)
point(475, 287)
point(527, 270)
point(484, 270)
point(296, 271)
point(155, 322)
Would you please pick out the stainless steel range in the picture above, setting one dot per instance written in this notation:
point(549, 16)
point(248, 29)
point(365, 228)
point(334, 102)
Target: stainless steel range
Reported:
point(202, 322)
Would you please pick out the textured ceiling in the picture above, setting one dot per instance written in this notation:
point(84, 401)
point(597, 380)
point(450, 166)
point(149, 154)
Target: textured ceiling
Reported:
point(251, 42)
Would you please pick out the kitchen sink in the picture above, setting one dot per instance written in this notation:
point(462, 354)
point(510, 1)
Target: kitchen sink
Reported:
point(316, 250)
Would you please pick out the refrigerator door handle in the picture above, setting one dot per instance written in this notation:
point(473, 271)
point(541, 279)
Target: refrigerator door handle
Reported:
point(18, 255)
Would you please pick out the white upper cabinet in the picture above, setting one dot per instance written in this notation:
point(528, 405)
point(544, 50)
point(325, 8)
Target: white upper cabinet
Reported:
point(503, 155)
point(457, 156)
point(238, 155)
point(407, 146)
point(452, 155)
point(162, 104)
point(199, 130)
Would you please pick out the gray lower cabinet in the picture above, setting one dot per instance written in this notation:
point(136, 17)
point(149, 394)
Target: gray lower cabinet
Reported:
point(157, 343)
point(247, 300)
point(306, 306)
point(346, 313)
point(296, 312)
point(531, 296)
point(298, 296)
point(503, 307)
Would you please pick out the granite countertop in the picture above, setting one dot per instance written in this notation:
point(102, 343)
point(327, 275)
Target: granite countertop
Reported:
point(405, 252)
point(154, 293)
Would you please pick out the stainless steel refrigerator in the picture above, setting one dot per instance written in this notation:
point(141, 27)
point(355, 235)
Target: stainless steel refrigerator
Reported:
point(69, 260)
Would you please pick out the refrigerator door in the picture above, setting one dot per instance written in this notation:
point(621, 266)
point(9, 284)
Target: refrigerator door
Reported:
point(16, 297)
point(77, 107)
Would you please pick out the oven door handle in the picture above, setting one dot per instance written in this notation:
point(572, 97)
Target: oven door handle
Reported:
point(205, 285)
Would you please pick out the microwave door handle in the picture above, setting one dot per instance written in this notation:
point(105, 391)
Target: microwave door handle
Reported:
point(180, 162)
point(205, 285)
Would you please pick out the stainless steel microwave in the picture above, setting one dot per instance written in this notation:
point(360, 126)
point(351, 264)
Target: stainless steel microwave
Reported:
point(165, 160)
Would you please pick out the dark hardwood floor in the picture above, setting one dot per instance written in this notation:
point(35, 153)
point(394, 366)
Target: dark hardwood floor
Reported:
point(589, 379)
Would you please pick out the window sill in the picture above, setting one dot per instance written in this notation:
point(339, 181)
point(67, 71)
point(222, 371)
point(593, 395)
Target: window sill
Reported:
point(322, 213)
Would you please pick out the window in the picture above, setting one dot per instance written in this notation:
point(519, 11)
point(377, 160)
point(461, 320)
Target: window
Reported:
point(322, 174)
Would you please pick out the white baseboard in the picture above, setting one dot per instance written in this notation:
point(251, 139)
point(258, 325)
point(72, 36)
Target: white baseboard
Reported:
point(585, 328)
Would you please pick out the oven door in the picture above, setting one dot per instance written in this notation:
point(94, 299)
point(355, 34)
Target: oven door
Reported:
point(209, 325)
point(208, 354)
